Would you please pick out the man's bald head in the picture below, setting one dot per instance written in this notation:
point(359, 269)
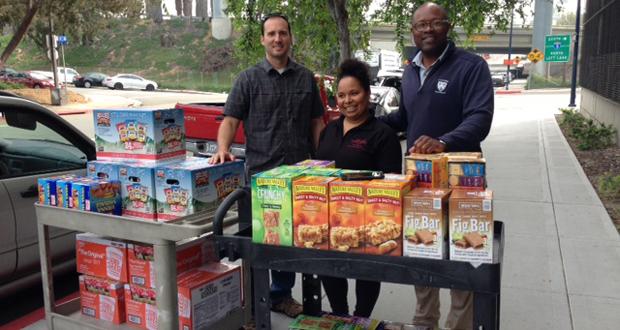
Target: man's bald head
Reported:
point(430, 27)
point(430, 6)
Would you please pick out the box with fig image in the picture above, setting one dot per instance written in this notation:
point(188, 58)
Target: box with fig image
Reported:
point(471, 225)
point(425, 223)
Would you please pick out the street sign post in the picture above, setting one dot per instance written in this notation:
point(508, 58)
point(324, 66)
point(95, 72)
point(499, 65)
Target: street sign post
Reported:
point(557, 48)
point(62, 40)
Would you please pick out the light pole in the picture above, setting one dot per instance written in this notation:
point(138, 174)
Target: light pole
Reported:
point(573, 82)
point(509, 50)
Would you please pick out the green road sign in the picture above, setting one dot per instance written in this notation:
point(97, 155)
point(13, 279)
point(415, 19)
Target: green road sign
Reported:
point(557, 48)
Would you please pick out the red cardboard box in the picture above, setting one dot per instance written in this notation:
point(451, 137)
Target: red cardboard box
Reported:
point(102, 299)
point(101, 257)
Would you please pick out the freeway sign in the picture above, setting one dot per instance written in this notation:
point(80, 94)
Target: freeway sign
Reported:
point(557, 48)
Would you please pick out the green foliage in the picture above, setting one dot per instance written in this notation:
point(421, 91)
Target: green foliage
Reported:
point(8, 85)
point(537, 82)
point(588, 133)
point(609, 185)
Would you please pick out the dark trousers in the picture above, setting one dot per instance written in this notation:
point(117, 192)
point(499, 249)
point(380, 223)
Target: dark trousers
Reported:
point(366, 293)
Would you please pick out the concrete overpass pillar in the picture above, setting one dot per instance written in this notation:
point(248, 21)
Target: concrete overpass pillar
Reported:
point(543, 18)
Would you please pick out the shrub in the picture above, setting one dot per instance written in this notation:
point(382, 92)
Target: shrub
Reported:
point(588, 133)
point(9, 85)
point(609, 185)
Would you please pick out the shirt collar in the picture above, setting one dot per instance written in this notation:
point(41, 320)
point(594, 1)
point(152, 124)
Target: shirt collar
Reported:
point(265, 65)
point(417, 60)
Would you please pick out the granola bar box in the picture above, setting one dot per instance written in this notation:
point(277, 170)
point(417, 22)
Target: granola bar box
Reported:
point(346, 215)
point(317, 163)
point(148, 134)
point(384, 214)
point(466, 172)
point(102, 299)
point(471, 225)
point(425, 223)
point(311, 212)
point(272, 205)
point(322, 171)
point(430, 169)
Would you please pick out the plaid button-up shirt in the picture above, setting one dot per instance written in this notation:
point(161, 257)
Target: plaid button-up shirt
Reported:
point(277, 110)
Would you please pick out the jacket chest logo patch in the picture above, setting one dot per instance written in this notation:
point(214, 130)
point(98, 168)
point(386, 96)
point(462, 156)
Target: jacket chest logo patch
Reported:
point(358, 144)
point(442, 84)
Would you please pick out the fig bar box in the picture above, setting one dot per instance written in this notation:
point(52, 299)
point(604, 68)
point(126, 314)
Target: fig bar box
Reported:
point(138, 190)
point(384, 214)
point(147, 134)
point(311, 212)
point(346, 215)
point(272, 206)
point(430, 169)
point(102, 299)
point(471, 225)
point(101, 257)
point(194, 185)
point(425, 223)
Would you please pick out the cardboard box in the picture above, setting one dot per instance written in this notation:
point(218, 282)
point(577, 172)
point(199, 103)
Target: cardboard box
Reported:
point(384, 214)
point(194, 185)
point(138, 190)
point(471, 225)
point(205, 294)
point(102, 299)
point(101, 257)
point(425, 223)
point(140, 259)
point(311, 212)
point(322, 171)
point(466, 172)
point(272, 205)
point(145, 134)
point(64, 192)
point(102, 196)
point(47, 189)
point(346, 215)
point(107, 170)
point(429, 168)
point(317, 163)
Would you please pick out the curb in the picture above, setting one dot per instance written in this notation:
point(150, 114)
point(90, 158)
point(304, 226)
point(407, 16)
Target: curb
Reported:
point(503, 91)
point(73, 112)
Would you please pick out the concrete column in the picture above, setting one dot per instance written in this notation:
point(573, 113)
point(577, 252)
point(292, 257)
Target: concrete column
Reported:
point(543, 17)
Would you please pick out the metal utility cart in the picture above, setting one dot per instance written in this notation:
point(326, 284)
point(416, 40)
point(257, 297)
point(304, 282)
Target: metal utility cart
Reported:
point(163, 236)
point(484, 280)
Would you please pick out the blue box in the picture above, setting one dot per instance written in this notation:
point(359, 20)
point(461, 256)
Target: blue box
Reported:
point(138, 190)
point(102, 196)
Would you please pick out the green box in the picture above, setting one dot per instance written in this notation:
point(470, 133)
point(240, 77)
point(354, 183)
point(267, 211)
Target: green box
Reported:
point(272, 206)
point(322, 171)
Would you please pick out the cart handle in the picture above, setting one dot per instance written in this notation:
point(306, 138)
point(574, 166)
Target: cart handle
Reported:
point(227, 203)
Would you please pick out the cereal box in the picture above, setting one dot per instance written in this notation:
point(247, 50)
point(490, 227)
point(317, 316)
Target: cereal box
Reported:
point(272, 206)
point(145, 134)
point(429, 168)
point(138, 190)
point(384, 214)
point(317, 163)
point(140, 259)
point(103, 196)
point(311, 212)
point(194, 185)
point(466, 172)
point(102, 299)
point(471, 225)
point(47, 189)
point(346, 215)
point(425, 223)
point(101, 257)
point(64, 195)
point(104, 169)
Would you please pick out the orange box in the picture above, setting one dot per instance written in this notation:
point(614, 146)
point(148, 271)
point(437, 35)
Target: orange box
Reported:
point(102, 299)
point(311, 212)
point(346, 215)
point(431, 169)
point(140, 258)
point(206, 294)
point(384, 214)
point(101, 257)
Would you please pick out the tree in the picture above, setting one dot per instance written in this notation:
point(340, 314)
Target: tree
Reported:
point(202, 9)
point(178, 6)
point(19, 34)
point(566, 19)
point(187, 8)
point(153, 10)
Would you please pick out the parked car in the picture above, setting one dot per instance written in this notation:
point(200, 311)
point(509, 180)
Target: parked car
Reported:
point(90, 79)
point(499, 80)
point(28, 79)
point(390, 78)
point(34, 142)
point(5, 70)
point(124, 80)
point(68, 72)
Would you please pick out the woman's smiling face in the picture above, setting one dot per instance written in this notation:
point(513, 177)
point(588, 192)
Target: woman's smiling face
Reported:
point(352, 98)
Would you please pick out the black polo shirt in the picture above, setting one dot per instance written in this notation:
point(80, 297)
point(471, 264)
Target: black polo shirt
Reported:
point(370, 146)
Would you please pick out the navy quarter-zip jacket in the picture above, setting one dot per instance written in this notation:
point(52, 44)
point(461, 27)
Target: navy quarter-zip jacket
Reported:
point(455, 103)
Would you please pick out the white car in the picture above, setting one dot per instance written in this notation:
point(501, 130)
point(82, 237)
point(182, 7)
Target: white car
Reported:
point(124, 80)
point(68, 72)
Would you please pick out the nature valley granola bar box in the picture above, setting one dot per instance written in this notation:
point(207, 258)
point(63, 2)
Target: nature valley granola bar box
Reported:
point(384, 214)
point(311, 212)
point(317, 163)
point(430, 169)
point(471, 225)
point(425, 223)
point(346, 215)
point(102, 299)
point(272, 205)
point(322, 171)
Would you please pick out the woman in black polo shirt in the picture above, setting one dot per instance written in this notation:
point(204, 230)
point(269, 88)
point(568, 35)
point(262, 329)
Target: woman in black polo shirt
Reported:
point(357, 141)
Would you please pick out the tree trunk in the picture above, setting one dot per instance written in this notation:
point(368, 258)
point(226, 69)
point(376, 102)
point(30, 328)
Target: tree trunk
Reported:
point(153, 10)
point(338, 10)
point(21, 31)
point(187, 8)
point(202, 9)
point(178, 6)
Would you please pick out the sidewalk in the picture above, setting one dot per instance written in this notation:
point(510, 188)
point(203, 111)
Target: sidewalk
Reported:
point(95, 101)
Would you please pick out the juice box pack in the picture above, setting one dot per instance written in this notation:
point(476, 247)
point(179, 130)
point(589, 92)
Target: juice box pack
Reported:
point(150, 135)
point(425, 223)
point(104, 169)
point(272, 206)
point(138, 190)
point(429, 168)
point(471, 225)
point(101, 257)
point(194, 185)
point(102, 299)
point(311, 212)
point(95, 195)
point(384, 214)
point(346, 215)
point(47, 189)
point(64, 192)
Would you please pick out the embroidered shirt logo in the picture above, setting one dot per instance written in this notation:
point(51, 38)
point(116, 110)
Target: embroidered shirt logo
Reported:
point(358, 144)
point(441, 86)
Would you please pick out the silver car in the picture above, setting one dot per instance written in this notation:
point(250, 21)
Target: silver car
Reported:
point(34, 142)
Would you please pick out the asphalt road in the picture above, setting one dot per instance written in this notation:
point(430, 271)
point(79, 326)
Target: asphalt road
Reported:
point(151, 99)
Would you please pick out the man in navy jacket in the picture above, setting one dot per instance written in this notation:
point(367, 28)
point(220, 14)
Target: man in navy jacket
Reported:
point(446, 105)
